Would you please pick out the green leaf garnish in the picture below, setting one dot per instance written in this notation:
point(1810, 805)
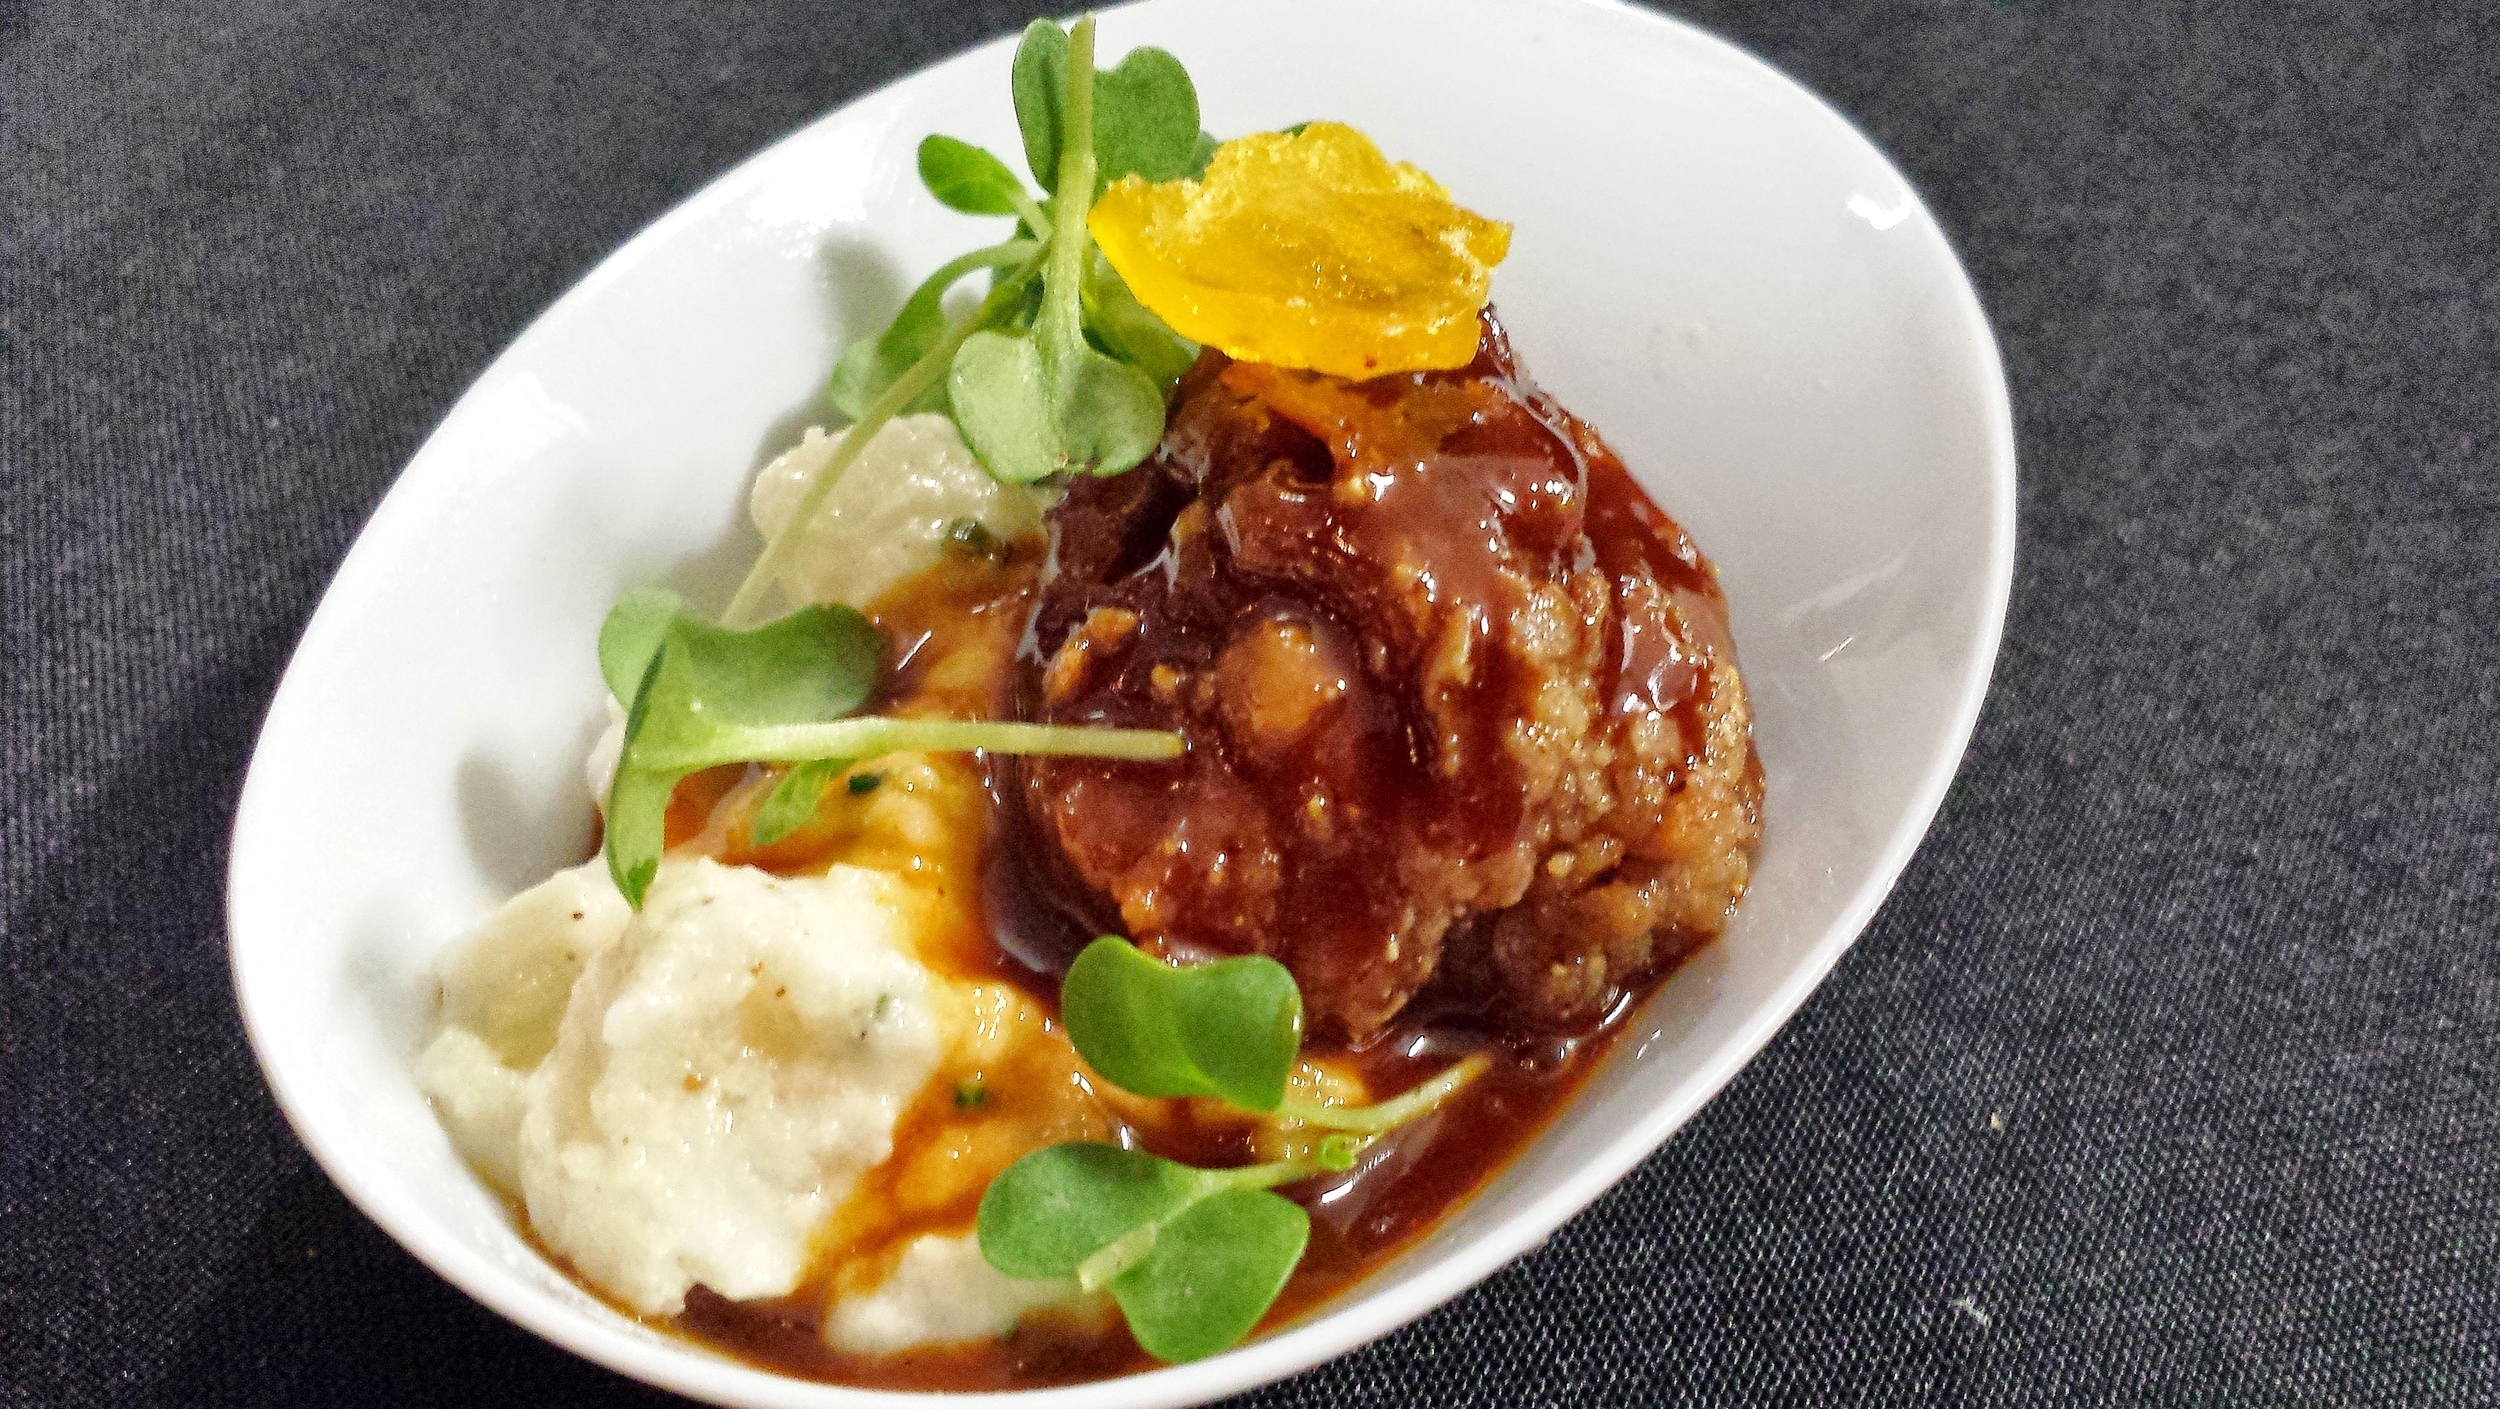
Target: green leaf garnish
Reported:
point(793, 800)
point(1130, 331)
point(1036, 81)
point(967, 178)
point(1212, 1273)
point(1049, 1211)
point(816, 663)
point(871, 366)
point(630, 637)
point(1059, 370)
point(1145, 118)
point(1044, 401)
point(1039, 404)
point(699, 682)
point(1229, 1029)
point(709, 696)
point(1193, 1256)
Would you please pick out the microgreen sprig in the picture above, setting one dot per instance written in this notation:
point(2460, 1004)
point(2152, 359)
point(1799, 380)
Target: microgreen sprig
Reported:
point(1040, 401)
point(872, 366)
point(1059, 369)
point(967, 178)
point(706, 695)
point(1193, 1257)
point(937, 344)
point(1229, 1029)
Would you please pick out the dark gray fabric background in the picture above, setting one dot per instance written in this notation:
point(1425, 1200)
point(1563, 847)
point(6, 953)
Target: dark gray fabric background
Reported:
point(2167, 1075)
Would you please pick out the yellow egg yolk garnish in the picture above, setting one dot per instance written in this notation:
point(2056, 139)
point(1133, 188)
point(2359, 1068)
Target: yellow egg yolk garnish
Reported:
point(1307, 250)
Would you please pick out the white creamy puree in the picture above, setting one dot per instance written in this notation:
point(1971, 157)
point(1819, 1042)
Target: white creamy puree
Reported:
point(724, 1074)
point(688, 1094)
point(884, 520)
point(942, 1290)
point(504, 993)
point(888, 515)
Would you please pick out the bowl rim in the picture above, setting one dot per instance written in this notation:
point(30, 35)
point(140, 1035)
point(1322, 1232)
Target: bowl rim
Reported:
point(1352, 1320)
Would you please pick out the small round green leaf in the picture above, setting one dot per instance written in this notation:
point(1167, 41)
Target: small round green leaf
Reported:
point(1056, 1207)
point(793, 800)
point(700, 685)
point(966, 178)
point(779, 694)
point(1037, 81)
point(816, 663)
point(1111, 415)
point(1213, 1273)
point(631, 636)
point(1002, 405)
point(1145, 117)
point(1230, 1029)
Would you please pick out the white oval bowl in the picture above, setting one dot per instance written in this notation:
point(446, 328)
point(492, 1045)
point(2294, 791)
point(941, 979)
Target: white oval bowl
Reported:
point(1709, 265)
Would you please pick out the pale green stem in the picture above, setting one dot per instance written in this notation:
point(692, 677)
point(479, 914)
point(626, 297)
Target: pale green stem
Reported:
point(1116, 1257)
point(1390, 1114)
point(1131, 1247)
point(1034, 220)
point(1061, 318)
point(1266, 1176)
point(1003, 255)
point(907, 388)
point(871, 736)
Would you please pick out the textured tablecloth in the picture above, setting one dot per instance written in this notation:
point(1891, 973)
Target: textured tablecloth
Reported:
point(2167, 1075)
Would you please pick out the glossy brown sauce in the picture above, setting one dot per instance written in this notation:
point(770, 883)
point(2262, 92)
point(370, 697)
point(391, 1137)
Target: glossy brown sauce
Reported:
point(1401, 1189)
point(1027, 932)
point(1444, 672)
point(1504, 486)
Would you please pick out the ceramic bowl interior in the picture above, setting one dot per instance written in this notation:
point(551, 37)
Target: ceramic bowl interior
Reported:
point(1708, 264)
